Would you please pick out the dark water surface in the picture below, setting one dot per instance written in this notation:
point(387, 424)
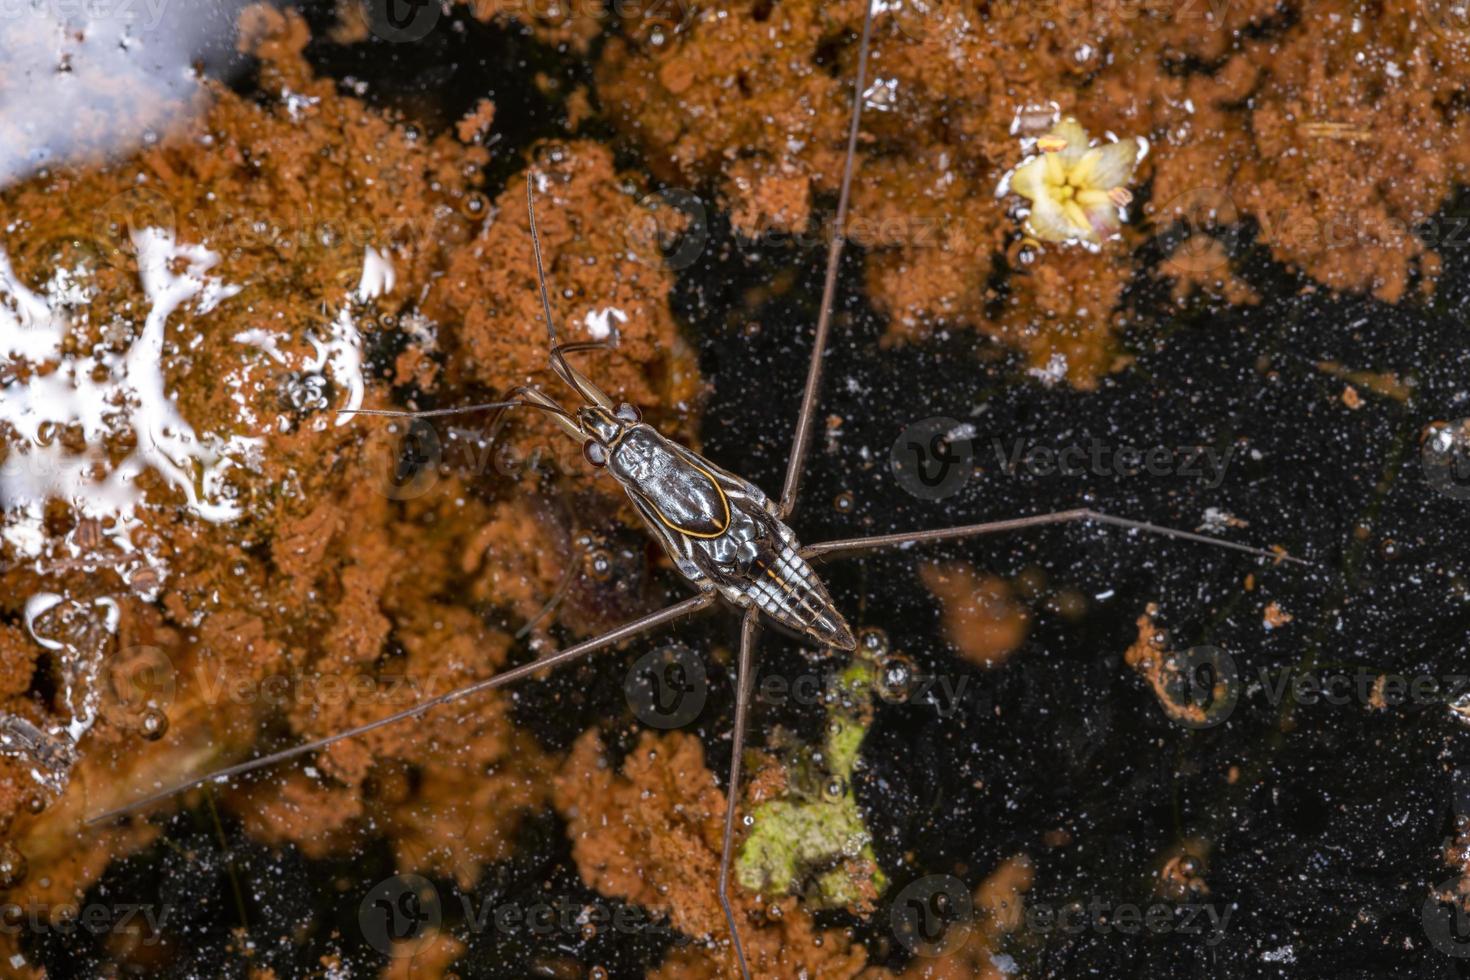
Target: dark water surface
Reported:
point(1327, 842)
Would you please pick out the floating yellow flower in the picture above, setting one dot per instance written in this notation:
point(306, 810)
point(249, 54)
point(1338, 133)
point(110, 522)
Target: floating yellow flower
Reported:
point(1076, 189)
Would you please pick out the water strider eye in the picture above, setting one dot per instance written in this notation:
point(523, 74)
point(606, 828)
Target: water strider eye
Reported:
point(595, 452)
point(628, 413)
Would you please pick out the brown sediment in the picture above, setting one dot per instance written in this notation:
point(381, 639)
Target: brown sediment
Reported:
point(999, 909)
point(597, 259)
point(573, 23)
point(432, 957)
point(981, 619)
point(326, 582)
point(323, 606)
point(1274, 616)
point(1150, 657)
point(1291, 120)
point(651, 834)
point(476, 123)
point(1385, 384)
point(1181, 875)
point(1201, 264)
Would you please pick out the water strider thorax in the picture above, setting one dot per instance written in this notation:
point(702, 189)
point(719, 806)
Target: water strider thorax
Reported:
point(721, 531)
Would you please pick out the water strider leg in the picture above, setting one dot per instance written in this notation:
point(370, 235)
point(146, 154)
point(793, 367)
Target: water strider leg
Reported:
point(801, 440)
point(849, 545)
point(744, 683)
point(574, 567)
point(750, 624)
point(624, 632)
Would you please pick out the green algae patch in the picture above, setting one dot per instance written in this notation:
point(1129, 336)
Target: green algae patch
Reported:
point(812, 840)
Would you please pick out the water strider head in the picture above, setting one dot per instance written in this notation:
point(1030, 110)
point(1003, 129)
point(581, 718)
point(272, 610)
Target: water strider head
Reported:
point(605, 430)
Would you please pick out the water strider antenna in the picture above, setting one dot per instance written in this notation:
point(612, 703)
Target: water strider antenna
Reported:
point(558, 360)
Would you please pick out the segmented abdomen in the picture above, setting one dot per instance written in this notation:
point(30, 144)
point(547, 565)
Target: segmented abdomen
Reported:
point(785, 588)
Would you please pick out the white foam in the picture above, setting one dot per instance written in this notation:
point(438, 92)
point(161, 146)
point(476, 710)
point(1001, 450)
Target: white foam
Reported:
point(602, 323)
point(378, 277)
point(102, 393)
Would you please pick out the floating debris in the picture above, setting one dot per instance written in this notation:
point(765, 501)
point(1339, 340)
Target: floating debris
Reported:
point(1076, 187)
point(812, 838)
point(52, 756)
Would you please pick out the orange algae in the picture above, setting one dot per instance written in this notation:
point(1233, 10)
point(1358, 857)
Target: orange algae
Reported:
point(322, 605)
point(981, 619)
point(651, 834)
point(327, 580)
point(999, 909)
point(1291, 121)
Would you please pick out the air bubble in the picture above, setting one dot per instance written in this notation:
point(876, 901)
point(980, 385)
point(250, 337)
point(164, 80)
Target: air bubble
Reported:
point(897, 677)
point(13, 866)
point(599, 565)
point(873, 642)
point(154, 725)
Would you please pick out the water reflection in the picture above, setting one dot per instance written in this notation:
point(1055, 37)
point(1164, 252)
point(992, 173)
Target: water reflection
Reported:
point(85, 79)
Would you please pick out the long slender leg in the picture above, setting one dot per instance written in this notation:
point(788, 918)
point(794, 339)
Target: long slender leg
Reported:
point(800, 442)
point(574, 568)
point(744, 683)
point(827, 549)
point(617, 635)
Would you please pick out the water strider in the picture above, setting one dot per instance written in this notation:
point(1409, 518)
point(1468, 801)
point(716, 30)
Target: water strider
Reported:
point(726, 538)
